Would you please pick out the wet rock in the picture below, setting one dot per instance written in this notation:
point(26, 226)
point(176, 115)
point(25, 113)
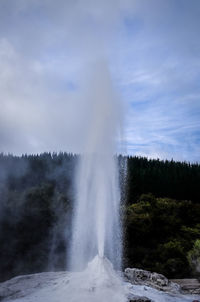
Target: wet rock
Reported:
point(188, 286)
point(140, 299)
point(21, 286)
point(155, 280)
point(134, 298)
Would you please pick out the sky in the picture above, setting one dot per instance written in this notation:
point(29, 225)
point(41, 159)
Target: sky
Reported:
point(152, 48)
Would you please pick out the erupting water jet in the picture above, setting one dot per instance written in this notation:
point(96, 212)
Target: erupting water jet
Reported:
point(96, 246)
point(96, 223)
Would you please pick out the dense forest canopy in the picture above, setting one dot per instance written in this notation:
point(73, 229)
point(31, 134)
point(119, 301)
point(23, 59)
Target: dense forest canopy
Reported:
point(161, 214)
point(177, 180)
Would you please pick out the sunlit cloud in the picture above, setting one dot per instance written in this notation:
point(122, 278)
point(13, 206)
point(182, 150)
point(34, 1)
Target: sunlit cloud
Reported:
point(153, 51)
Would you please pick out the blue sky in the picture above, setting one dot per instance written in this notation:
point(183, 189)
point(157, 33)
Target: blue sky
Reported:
point(153, 51)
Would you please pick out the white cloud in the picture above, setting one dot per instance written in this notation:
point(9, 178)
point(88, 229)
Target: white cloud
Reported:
point(153, 49)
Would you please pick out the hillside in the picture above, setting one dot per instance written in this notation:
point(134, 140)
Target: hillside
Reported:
point(161, 221)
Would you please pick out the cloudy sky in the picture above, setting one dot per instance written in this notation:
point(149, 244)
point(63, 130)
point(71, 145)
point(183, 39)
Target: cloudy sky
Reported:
point(152, 48)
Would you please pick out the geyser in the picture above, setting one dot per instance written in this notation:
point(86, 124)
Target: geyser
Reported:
point(96, 221)
point(96, 243)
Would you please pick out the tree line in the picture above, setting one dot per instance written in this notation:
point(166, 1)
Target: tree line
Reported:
point(177, 180)
point(161, 214)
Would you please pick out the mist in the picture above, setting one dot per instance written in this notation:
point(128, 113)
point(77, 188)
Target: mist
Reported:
point(80, 83)
point(35, 192)
point(97, 179)
point(54, 67)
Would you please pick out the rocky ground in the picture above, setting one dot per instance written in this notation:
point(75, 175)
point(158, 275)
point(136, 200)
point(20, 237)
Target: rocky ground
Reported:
point(154, 280)
point(188, 286)
point(144, 286)
point(22, 286)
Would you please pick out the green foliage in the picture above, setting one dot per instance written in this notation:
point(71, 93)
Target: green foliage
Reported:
point(35, 209)
point(163, 179)
point(159, 236)
point(161, 220)
point(194, 257)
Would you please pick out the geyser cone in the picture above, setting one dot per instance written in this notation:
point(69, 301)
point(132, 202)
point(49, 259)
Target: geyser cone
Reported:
point(96, 226)
point(102, 274)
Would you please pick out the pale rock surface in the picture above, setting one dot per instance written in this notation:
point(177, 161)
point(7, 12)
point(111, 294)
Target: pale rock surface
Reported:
point(155, 280)
point(188, 286)
point(25, 285)
point(98, 283)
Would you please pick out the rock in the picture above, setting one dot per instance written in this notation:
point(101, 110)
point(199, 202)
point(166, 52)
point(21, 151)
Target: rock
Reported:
point(47, 286)
point(188, 286)
point(135, 298)
point(21, 286)
point(140, 299)
point(155, 280)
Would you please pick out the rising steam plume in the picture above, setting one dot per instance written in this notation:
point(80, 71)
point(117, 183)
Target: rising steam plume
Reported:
point(96, 221)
